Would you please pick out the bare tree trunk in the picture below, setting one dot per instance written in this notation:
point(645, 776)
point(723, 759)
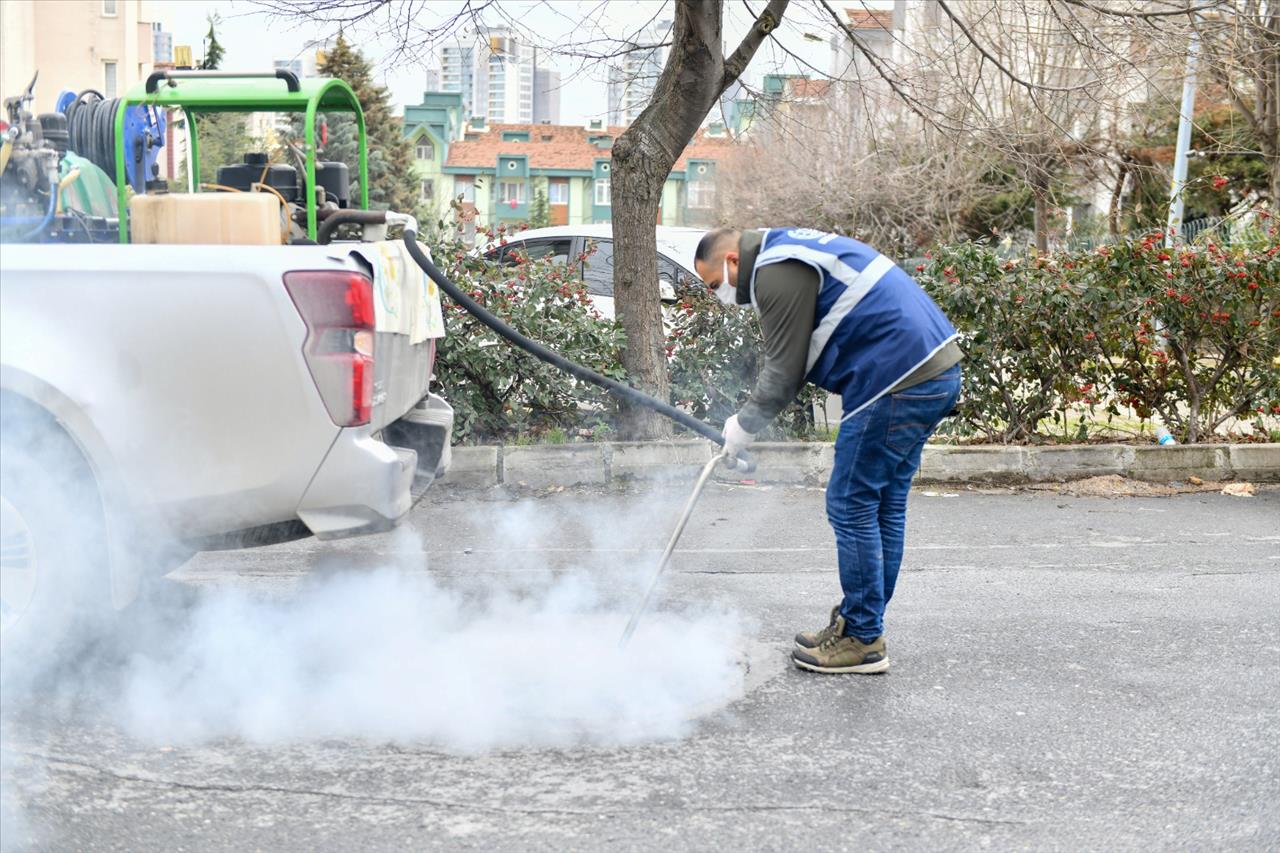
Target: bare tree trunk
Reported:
point(1117, 192)
point(1041, 223)
point(696, 74)
point(639, 168)
point(1274, 164)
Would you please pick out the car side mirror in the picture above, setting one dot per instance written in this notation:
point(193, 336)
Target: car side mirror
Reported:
point(666, 290)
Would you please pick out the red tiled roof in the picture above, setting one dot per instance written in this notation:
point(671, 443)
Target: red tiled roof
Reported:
point(567, 148)
point(870, 19)
point(802, 87)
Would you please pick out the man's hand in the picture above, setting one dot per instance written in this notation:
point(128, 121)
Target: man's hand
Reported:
point(736, 439)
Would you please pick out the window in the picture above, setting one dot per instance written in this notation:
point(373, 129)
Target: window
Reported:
point(602, 193)
point(465, 186)
point(109, 11)
point(558, 192)
point(427, 190)
point(598, 270)
point(512, 191)
point(557, 251)
point(109, 79)
point(668, 270)
point(424, 150)
point(702, 194)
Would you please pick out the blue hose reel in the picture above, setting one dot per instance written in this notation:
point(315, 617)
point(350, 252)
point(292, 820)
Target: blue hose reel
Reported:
point(144, 134)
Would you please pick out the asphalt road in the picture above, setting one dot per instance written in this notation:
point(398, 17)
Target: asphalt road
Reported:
point(1068, 674)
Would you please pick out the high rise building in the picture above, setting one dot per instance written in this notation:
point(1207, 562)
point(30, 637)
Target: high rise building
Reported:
point(494, 69)
point(457, 73)
point(633, 78)
point(306, 62)
point(546, 96)
point(509, 63)
point(161, 44)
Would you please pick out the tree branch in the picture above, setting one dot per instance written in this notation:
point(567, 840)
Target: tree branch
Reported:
point(1030, 87)
point(737, 62)
point(912, 103)
point(1186, 9)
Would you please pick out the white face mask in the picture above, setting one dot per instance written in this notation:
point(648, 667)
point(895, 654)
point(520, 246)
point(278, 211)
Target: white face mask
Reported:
point(727, 292)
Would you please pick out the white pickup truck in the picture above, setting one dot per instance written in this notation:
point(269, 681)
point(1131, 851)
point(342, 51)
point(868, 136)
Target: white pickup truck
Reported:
point(161, 399)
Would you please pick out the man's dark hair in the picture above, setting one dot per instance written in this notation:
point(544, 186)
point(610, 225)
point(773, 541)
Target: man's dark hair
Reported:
point(714, 242)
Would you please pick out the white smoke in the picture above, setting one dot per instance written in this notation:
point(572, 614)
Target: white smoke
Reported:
point(521, 653)
point(518, 657)
point(392, 656)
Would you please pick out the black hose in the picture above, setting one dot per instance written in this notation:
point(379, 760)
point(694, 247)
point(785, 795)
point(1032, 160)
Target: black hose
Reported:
point(91, 127)
point(324, 233)
point(617, 389)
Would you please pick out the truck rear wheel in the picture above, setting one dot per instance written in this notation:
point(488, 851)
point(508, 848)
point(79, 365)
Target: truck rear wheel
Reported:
point(53, 558)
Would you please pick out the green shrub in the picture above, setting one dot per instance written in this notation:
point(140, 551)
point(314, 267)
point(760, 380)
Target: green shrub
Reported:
point(1129, 330)
point(1190, 333)
point(500, 392)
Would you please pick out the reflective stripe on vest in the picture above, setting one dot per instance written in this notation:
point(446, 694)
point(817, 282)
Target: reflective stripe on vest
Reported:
point(856, 286)
point(872, 328)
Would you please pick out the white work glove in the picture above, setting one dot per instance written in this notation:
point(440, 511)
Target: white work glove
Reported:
point(736, 439)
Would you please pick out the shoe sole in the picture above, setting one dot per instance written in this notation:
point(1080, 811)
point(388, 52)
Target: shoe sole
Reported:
point(859, 669)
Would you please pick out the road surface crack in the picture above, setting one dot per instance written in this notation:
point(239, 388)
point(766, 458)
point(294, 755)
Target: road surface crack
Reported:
point(231, 788)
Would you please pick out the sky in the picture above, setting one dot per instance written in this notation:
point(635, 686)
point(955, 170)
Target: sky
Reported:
point(253, 39)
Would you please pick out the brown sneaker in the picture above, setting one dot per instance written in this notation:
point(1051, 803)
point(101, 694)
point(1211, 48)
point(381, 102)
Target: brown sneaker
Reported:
point(837, 654)
point(811, 639)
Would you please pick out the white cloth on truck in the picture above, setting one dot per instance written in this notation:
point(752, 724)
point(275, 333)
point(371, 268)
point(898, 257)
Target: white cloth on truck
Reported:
point(406, 301)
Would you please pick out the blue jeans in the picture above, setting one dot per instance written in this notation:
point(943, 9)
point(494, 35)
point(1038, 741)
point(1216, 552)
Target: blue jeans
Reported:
point(877, 454)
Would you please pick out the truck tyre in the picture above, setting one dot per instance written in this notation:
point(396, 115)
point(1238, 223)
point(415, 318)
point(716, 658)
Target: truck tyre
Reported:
point(54, 582)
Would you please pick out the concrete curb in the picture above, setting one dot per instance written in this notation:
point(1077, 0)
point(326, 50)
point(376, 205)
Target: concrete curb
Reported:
point(809, 463)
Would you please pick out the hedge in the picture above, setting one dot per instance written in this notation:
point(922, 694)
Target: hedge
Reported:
point(1190, 334)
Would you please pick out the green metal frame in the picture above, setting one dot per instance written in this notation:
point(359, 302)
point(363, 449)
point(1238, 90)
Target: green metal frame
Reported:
point(195, 96)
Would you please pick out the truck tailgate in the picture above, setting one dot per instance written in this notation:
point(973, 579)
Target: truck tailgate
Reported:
point(409, 320)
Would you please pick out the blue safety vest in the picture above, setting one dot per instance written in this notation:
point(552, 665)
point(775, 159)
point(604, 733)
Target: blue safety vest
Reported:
point(874, 325)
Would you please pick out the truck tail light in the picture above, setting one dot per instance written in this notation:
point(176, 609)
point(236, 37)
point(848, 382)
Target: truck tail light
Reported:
point(337, 307)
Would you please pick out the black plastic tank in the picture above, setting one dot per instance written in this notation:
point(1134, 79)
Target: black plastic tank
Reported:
point(53, 127)
point(241, 176)
point(335, 177)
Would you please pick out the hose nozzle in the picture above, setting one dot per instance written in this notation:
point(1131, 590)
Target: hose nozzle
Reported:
point(742, 463)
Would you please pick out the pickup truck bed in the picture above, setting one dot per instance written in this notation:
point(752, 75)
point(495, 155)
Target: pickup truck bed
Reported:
point(186, 378)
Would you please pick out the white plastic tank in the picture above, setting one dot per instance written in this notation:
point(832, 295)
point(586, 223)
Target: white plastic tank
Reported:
point(217, 218)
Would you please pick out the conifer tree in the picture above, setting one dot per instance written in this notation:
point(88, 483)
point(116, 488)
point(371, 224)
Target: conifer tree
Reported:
point(392, 182)
point(539, 212)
